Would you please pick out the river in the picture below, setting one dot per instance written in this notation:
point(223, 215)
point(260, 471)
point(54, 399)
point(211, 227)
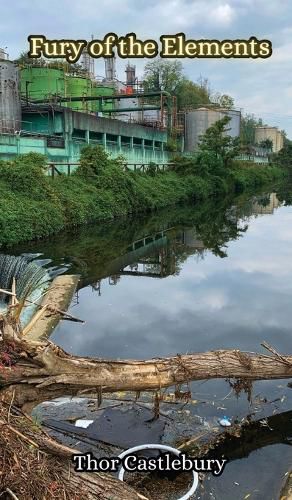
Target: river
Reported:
point(215, 276)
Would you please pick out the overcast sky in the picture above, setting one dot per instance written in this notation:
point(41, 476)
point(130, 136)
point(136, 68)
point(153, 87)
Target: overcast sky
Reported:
point(262, 87)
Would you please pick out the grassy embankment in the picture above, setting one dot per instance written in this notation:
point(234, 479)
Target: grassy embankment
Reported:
point(33, 205)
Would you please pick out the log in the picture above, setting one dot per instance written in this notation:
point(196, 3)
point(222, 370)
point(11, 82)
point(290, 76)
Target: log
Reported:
point(45, 370)
point(42, 370)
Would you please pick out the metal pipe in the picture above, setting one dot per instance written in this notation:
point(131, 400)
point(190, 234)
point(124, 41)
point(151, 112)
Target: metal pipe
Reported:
point(122, 110)
point(110, 97)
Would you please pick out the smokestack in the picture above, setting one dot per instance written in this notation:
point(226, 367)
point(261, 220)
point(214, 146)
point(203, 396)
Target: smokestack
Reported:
point(130, 75)
point(110, 68)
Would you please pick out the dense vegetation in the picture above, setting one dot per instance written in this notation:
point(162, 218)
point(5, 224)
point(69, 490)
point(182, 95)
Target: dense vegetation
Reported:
point(168, 75)
point(32, 205)
point(284, 157)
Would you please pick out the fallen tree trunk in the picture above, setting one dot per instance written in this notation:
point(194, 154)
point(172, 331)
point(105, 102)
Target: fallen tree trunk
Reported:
point(44, 371)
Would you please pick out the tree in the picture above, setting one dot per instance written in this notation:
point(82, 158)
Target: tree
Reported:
point(223, 100)
point(266, 144)
point(162, 74)
point(204, 84)
point(217, 141)
point(191, 95)
point(248, 126)
point(25, 60)
point(168, 75)
point(284, 157)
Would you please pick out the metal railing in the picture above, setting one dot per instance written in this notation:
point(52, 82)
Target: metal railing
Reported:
point(53, 168)
point(144, 167)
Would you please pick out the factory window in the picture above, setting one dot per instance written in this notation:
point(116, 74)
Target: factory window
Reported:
point(112, 138)
point(148, 144)
point(78, 134)
point(126, 141)
point(137, 142)
point(95, 137)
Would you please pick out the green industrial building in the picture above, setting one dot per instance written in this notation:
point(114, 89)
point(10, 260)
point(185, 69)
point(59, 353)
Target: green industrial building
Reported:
point(60, 133)
point(69, 118)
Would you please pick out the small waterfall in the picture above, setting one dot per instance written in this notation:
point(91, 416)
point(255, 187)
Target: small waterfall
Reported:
point(28, 275)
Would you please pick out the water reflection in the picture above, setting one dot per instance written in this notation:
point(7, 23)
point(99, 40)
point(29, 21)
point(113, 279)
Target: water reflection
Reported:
point(188, 279)
point(158, 246)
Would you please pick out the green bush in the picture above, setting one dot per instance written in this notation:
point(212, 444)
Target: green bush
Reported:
point(94, 161)
point(26, 175)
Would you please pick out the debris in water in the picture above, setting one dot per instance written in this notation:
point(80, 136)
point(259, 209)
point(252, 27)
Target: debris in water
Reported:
point(225, 421)
point(83, 423)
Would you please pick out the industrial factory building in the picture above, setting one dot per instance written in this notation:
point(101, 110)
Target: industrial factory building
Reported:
point(50, 111)
point(272, 133)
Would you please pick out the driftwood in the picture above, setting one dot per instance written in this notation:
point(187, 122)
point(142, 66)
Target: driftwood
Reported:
point(56, 310)
point(41, 371)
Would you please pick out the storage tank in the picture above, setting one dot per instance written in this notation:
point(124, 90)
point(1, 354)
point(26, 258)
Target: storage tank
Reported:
point(272, 133)
point(102, 90)
point(132, 103)
point(10, 105)
point(79, 87)
point(42, 82)
point(280, 141)
point(199, 120)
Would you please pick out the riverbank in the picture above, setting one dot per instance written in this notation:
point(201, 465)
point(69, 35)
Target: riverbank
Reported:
point(34, 206)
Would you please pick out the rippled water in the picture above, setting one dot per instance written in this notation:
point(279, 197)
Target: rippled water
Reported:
point(214, 276)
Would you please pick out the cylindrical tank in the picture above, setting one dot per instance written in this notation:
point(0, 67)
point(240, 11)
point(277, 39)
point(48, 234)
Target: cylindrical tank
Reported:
point(132, 103)
point(199, 120)
point(79, 87)
point(280, 141)
point(272, 133)
point(42, 82)
point(10, 105)
point(233, 127)
point(102, 90)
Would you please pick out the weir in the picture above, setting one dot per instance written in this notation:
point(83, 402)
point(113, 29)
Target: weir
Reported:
point(31, 281)
point(28, 274)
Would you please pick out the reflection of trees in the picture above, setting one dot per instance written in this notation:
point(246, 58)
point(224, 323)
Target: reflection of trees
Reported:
point(284, 194)
point(163, 241)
